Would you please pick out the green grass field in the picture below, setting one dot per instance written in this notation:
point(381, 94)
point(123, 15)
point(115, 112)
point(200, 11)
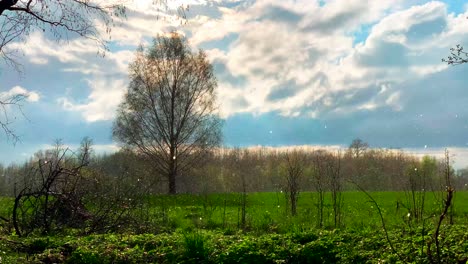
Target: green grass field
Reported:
point(206, 229)
point(268, 212)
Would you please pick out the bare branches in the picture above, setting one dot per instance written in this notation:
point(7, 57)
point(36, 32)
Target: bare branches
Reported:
point(458, 56)
point(10, 101)
point(358, 147)
point(51, 198)
point(447, 204)
point(295, 164)
point(382, 221)
point(168, 113)
point(61, 19)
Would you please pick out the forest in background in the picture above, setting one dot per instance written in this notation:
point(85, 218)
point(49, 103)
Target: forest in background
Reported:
point(263, 169)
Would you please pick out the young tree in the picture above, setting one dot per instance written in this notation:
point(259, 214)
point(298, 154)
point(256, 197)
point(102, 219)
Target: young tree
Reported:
point(336, 186)
point(168, 113)
point(295, 163)
point(319, 161)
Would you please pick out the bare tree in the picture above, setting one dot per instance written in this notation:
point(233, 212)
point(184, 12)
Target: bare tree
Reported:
point(358, 147)
point(168, 113)
point(62, 19)
point(336, 188)
point(319, 178)
point(294, 166)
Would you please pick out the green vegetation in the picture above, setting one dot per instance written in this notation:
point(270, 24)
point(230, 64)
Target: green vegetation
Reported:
point(205, 229)
point(240, 206)
point(217, 247)
point(6, 204)
point(267, 212)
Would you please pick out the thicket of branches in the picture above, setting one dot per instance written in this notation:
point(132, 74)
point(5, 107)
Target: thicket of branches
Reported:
point(264, 170)
point(62, 188)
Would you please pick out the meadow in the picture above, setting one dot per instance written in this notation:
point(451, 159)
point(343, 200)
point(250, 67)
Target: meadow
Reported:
point(268, 212)
point(207, 228)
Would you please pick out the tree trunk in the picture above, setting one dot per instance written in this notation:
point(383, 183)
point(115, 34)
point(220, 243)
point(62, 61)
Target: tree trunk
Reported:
point(293, 203)
point(172, 180)
point(15, 214)
point(172, 184)
point(172, 171)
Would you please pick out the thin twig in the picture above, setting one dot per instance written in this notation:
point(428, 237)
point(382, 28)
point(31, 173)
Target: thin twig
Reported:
point(382, 220)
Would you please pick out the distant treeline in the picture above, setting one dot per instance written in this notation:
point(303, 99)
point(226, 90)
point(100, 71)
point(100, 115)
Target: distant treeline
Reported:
point(264, 170)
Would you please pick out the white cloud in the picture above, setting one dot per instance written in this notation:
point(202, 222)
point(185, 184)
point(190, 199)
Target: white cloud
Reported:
point(105, 148)
point(30, 96)
point(102, 102)
point(48, 49)
point(293, 66)
point(206, 29)
point(293, 57)
point(393, 101)
point(282, 52)
point(105, 77)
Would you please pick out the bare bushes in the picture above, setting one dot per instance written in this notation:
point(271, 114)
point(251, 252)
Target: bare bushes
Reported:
point(50, 197)
point(61, 191)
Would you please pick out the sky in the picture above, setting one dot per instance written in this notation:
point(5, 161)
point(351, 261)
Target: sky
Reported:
point(318, 73)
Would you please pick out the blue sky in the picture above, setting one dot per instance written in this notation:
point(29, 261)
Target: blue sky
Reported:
point(289, 73)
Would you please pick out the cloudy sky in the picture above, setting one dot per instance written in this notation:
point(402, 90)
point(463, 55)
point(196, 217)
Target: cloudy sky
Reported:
point(289, 73)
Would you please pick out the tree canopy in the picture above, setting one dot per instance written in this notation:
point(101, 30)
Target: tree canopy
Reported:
point(168, 113)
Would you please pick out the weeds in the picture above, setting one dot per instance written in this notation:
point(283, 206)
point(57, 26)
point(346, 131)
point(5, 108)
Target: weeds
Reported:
point(196, 250)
